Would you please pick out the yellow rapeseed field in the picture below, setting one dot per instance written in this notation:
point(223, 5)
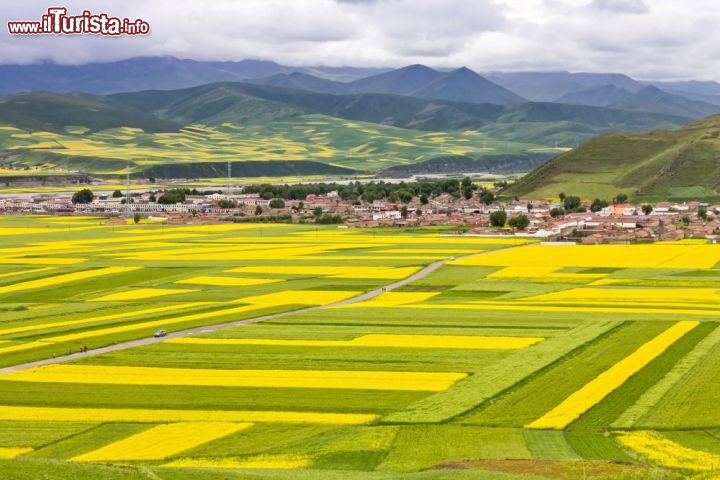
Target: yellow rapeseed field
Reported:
point(334, 271)
point(162, 441)
point(102, 318)
point(61, 414)
point(12, 452)
point(65, 278)
point(381, 340)
point(227, 281)
point(140, 293)
point(279, 461)
point(299, 297)
point(355, 379)
point(25, 272)
point(665, 452)
point(601, 386)
point(392, 299)
point(659, 255)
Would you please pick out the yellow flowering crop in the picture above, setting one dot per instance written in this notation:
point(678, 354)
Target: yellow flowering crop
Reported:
point(102, 318)
point(24, 272)
point(333, 271)
point(162, 441)
point(12, 452)
point(140, 293)
point(280, 461)
point(65, 278)
point(667, 453)
point(301, 297)
point(61, 414)
point(380, 340)
point(658, 255)
point(392, 299)
point(227, 281)
point(593, 392)
point(370, 380)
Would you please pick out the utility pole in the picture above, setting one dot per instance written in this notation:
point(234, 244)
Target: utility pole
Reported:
point(128, 212)
point(229, 178)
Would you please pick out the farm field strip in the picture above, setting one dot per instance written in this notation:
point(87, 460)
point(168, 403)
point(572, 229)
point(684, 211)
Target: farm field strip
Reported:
point(382, 340)
point(102, 318)
point(593, 392)
point(653, 395)
point(663, 451)
point(162, 441)
point(382, 273)
point(664, 255)
point(12, 452)
point(139, 415)
point(355, 379)
point(140, 294)
point(267, 461)
point(65, 278)
point(227, 281)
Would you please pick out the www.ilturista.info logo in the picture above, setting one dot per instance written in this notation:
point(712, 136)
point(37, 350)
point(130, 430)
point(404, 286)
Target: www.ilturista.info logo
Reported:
point(58, 22)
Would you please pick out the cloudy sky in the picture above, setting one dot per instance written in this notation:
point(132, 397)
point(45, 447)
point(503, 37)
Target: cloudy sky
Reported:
point(647, 39)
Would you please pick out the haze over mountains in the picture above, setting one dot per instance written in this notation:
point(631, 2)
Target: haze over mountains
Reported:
point(691, 100)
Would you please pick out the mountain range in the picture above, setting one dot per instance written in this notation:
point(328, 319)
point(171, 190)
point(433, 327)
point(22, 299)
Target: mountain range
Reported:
point(691, 100)
point(546, 109)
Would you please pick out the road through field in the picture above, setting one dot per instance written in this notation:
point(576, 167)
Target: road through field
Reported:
point(211, 328)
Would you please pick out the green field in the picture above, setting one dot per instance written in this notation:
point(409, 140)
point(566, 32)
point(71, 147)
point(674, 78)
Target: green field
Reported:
point(444, 377)
point(304, 145)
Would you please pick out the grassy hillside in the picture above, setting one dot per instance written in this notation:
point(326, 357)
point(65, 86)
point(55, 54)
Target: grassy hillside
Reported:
point(305, 144)
point(659, 164)
point(242, 122)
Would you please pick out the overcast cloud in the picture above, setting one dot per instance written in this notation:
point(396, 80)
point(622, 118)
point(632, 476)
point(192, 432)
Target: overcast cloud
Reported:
point(647, 39)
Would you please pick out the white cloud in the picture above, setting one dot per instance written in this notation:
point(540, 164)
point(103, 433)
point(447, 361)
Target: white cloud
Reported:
point(662, 38)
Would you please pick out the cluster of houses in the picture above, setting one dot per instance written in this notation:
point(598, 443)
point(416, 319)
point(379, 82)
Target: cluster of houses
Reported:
point(620, 223)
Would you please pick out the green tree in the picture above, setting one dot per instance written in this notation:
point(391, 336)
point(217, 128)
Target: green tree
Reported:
point(487, 196)
point(647, 209)
point(317, 211)
point(136, 218)
point(172, 197)
point(276, 203)
point(702, 213)
point(571, 202)
point(498, 218)
point(556, 212)
point(117, 194)
point(598, 205)
point(520, 222)
point(404, 211)
point(258, 210)
point(225, 203)
point(561, 196)
point(685, 220)
point(424, 199)
point(82, 196)
point(621, 198)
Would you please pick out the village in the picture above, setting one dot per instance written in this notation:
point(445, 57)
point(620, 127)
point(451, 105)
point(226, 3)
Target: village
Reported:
point(585, 224)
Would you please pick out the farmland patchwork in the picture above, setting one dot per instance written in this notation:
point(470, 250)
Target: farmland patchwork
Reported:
point(509, 352)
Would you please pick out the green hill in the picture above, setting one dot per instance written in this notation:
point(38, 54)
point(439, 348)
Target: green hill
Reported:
point(242, 122)
point(662, 164)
